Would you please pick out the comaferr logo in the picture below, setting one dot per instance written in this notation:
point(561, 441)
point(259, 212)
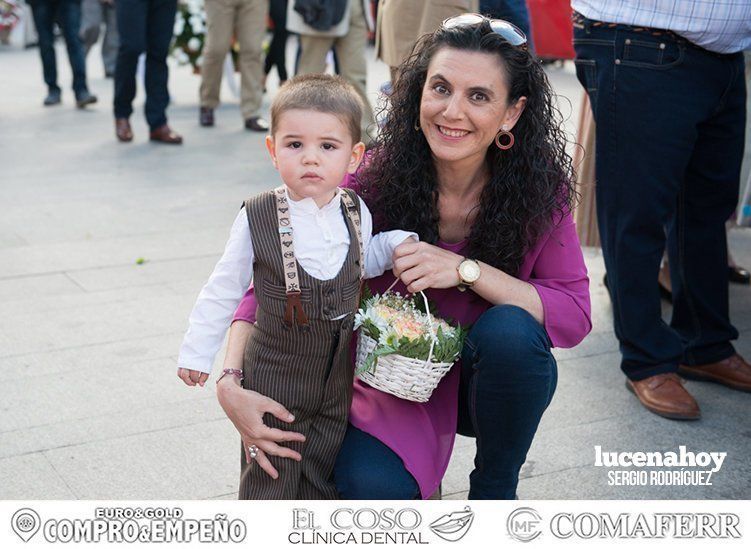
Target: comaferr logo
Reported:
point(454, 526)
point(645, 525)
point(525, 524)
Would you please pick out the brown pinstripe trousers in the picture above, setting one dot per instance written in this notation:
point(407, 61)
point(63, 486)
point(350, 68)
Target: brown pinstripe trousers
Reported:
point(307, 369)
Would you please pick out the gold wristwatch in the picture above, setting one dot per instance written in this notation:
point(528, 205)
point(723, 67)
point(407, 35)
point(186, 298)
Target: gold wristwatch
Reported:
point(469, 272)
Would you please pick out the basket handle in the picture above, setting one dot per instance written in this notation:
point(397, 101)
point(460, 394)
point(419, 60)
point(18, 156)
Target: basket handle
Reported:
point(427, 312)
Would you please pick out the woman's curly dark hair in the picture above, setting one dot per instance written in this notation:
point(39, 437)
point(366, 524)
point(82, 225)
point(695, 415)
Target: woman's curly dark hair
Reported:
point(528, 184)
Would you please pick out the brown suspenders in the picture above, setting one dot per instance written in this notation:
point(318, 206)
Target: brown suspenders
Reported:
point(294, 311)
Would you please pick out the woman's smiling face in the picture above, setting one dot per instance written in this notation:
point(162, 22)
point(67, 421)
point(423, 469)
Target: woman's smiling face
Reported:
point(465, 103)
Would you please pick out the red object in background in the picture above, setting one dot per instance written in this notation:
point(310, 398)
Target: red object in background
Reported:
point(552, 31)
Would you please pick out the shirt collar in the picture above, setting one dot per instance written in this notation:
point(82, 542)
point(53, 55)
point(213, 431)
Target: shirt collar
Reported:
point(308, 206)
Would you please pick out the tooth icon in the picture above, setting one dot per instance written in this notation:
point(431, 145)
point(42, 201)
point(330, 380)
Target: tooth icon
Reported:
point(453, 526)
point(25, 523)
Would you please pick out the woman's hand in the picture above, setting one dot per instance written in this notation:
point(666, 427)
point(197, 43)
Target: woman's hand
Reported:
point(420, 265)
point(245, 409)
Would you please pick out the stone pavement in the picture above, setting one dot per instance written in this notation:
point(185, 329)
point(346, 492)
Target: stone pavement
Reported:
point(90, 407)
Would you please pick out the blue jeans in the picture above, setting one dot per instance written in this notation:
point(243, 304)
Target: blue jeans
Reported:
point(670, 120)
point(67, 13)
point(144, 26)
point(508, 379)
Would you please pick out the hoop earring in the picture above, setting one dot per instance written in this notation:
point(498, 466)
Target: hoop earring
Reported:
point(504, 132)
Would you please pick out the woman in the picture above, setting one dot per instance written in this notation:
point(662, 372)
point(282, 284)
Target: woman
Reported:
point(472, 157)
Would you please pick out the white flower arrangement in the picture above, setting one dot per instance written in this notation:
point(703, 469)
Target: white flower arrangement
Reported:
point(401, 327)
point(10, 14)
point(189, 33)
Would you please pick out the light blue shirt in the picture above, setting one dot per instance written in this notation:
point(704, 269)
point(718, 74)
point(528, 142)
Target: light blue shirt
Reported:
point(720, 26)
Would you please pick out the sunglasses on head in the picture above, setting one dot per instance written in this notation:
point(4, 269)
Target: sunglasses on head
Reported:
point(508, 31)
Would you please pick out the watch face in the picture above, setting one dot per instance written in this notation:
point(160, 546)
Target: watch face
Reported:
point(469, 271)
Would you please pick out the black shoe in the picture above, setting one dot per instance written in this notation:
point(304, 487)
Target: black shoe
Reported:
point(739, 275)
point(85, 98)
point(53, 98)
point(206, 117)
point(665, 294)
point(256, 124)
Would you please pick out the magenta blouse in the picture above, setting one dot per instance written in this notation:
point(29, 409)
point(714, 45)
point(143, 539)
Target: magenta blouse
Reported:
point(423, 434)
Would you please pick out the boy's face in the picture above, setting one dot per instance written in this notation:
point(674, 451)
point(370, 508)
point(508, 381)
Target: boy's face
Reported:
point(313, 151)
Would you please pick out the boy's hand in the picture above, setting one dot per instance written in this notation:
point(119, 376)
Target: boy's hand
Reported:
point(192, 377)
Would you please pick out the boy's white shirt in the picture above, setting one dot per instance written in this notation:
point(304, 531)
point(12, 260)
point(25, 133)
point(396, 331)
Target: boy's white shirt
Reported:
point(321, 241)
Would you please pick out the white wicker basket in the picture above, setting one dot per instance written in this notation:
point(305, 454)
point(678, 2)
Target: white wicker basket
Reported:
point(408, 378)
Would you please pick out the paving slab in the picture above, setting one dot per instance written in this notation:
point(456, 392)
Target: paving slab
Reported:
point(32, 477)
point(194, 461)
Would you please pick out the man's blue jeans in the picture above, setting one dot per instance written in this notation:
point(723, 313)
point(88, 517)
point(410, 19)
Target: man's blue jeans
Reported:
point(670, 120)
point(144, 26)
point(508, 379)
point(67, 13)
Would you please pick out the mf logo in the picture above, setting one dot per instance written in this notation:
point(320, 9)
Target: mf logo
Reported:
point(524, 524)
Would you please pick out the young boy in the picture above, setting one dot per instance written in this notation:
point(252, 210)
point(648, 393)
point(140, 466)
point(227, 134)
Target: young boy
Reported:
point(308, 248)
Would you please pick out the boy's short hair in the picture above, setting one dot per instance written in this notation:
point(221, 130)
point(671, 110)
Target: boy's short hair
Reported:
point(322, 93)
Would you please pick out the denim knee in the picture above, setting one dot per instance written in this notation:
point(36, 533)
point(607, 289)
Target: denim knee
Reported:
point(368, 469)
point(507, 335)
point(359, 481)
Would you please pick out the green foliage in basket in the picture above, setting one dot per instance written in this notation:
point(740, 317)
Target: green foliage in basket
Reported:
point(399, 325)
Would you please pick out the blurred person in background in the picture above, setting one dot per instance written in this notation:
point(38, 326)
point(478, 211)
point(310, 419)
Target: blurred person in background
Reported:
point(144, 26)
point(67, 14)
point(342, 26)
point(93, 14)
point(402, 22)
point(246, 20)
point(276, 56)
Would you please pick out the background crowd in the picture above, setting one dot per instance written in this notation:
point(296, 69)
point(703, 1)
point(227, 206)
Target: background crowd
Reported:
point(208, 34)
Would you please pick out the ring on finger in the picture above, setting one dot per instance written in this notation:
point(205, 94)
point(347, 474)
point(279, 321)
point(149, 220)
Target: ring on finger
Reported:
point(253, 451)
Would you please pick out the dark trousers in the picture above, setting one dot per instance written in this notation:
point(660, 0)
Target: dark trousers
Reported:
point(670, 120)
point(144, 26)
point(278, 47)
point(508, 379)
point(67, 13)
point(513, 11)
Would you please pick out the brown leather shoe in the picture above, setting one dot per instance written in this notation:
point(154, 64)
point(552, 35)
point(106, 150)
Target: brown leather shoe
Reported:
point(122, 130)
point(163, 134)
point(206, 117)
point(665, 396)
point(733, 372)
